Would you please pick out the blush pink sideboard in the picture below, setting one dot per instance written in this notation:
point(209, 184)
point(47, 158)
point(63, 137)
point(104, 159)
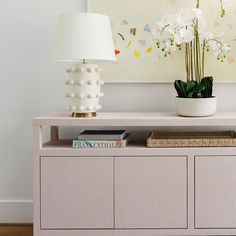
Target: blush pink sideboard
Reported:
point(134, 191)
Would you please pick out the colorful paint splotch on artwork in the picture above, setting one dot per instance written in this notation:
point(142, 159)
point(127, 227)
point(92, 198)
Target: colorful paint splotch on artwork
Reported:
point(147, 28)
point(149, 50)
point(142, 42)
point(124, 22)
point(122, 37)
point(231, 60)
point(133, 31)
point(117, 52)
point(137, 54)
point(129, 44)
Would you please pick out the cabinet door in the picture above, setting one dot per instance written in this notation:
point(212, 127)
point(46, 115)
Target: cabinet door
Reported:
point(76, 192)
point(215, 192)
point(151, 192)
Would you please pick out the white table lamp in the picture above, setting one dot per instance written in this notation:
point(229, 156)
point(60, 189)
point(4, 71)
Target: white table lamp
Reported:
point(82, 38)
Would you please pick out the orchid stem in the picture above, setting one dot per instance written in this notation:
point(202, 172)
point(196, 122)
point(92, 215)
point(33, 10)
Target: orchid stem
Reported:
point(198, 4)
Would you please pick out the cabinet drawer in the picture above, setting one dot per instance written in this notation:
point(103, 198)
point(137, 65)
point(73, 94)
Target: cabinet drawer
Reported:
point(215, 191)
point(76, 192)
point(151, 192)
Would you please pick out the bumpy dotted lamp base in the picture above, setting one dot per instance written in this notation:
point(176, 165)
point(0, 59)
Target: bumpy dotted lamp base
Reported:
point(84, 89)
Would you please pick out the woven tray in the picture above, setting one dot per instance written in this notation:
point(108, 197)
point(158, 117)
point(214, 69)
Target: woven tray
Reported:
point(192, 139)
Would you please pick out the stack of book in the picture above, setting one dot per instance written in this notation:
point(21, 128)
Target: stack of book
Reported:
point(101, 139)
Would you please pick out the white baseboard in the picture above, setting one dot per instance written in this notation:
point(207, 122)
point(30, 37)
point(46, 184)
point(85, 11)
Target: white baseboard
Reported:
point(16, 211)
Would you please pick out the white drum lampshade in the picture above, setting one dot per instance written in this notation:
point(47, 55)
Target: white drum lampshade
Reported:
point(82, 39)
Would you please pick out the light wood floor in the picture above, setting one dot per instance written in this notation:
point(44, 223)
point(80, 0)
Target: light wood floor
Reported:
point(16, 230)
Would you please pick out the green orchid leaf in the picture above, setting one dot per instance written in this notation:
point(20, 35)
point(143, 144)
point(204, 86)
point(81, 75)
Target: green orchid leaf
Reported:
point(180, 87)
point(207, 82)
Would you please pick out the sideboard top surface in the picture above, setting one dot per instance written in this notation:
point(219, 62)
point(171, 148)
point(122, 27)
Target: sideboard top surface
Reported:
point(133, 119)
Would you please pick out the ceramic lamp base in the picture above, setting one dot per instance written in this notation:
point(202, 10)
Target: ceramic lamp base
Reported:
point(84, 90)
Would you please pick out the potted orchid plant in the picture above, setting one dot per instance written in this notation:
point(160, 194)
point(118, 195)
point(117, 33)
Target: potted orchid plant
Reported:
point(187, 30)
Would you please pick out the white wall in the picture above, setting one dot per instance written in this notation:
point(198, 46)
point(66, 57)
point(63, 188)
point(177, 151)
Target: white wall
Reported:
point(31, 85)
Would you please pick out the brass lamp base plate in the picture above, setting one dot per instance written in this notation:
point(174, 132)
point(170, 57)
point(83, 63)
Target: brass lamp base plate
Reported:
point(84, 115)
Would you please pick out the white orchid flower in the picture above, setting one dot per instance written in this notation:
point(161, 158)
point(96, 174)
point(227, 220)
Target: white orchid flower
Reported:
point(175, 30)
point(178, 39)
point(186, 34)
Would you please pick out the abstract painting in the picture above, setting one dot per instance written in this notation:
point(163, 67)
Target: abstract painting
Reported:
point(138, 58)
